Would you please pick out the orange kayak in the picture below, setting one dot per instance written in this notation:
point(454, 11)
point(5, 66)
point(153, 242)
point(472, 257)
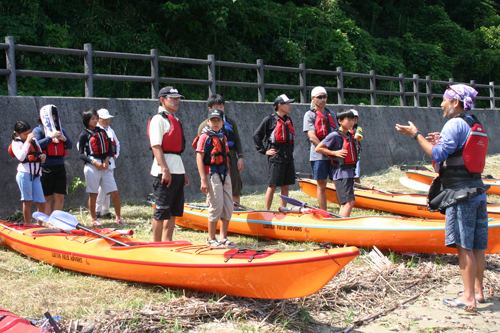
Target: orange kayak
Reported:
point(10, 323)
point(427, 177)
point(396, 203)
point(385, 232)
point(182, 264)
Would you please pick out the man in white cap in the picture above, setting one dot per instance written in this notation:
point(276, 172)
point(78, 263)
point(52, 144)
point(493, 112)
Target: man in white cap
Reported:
point(167, 141)
point(459, 155)
point(277, 130)
point(318, 123)
point(103, 199)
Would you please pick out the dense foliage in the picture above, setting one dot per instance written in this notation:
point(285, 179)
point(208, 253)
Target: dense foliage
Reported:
point(440, 38)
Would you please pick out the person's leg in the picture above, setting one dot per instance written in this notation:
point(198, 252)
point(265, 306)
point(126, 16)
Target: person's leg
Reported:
point(157, 229)
point(92, 200)
point(227, 213)
point(58, 202)
point(236, 198)
point(224, 225)
point(321, 193)
point(48, 206)
point(168, 229)
point(268, 198)
point(345, 209)
point(41, 207)
point(215, 198)
point(27, 210)
point(284, 191)
point(117, 204)
point(468, 269)
point(480, 267)
point(100, 200)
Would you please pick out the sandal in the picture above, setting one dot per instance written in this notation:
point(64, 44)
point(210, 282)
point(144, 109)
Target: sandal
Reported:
point(226, 242)
point(214, 242)
point(460, 293)
point(96, 222)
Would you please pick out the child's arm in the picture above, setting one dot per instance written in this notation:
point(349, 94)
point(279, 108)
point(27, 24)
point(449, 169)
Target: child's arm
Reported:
point(201, 170)
point(323, 149)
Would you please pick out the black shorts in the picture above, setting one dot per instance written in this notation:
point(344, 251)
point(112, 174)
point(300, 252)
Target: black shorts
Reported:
point(345, 190)
point(169, 201)
point(281, 173)
point(54, 180)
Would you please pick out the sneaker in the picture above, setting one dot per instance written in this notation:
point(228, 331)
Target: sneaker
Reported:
point(96, 222)
point(119, 221)
point(214, 242)
point(108, 216)
point(226, 242)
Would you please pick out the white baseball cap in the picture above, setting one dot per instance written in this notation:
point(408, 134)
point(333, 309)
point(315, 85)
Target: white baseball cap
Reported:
point(318, 90)
point(355, 112)
point(104, 114)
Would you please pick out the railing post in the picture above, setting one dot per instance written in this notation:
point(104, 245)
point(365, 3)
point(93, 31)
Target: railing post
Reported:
point(260, 80)
point(402, 89)
point(416, 90)
point(89, 82)
point(212, 88)
point(155, 74)
point(340, 85)
point(373, 87)
point(11, 65)
point(428, 90)
point(492, 95)
point(472, 83)
point(303, 83)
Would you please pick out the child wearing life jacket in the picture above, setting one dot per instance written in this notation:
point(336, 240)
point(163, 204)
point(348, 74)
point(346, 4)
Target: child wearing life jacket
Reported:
point(277, 129)
point(212, 159)
point(103, 199)
point(96, 150)
point(25, 148)
point(55, 143)
point(340, 147)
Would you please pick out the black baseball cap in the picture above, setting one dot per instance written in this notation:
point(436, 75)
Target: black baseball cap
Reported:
point(215, 113)
point(169, 92)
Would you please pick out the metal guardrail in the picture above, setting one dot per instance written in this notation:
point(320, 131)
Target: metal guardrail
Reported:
point(155, 79)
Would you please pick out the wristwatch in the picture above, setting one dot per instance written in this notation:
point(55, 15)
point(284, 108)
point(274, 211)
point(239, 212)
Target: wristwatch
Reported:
point(414, 136)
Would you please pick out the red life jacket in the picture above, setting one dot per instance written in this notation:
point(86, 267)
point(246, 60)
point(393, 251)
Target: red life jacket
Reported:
point(283, 132)
point(33, 152)
point(472, 157)
point(55, 149)
point(219, 154)
point(174, 142)
point(323, 123)
point(99, 143)
point(349, 144)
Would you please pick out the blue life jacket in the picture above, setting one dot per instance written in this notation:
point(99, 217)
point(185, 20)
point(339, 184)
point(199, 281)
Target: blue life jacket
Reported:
point(229, 133)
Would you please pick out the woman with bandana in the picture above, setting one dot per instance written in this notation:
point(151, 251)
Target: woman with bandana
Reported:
point(459, 154)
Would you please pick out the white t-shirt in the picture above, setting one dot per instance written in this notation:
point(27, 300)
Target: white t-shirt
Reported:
point(158, 127)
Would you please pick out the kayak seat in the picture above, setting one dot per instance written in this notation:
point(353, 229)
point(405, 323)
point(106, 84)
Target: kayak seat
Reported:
point(150, 244)
point(48, 231)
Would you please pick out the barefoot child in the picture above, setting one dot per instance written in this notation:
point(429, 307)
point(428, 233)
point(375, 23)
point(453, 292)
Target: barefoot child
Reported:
point(25, 148)
point(212, 159)
point(340, 146)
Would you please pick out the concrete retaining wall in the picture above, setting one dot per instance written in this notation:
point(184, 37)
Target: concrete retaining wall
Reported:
point(383, 145)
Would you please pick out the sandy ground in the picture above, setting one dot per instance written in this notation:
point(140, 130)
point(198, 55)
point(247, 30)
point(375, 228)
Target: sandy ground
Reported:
point(427, 314)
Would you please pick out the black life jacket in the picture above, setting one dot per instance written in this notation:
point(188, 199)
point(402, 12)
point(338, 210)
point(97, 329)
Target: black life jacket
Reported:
point(283, 132)
point(174, 142)
point(349, 144)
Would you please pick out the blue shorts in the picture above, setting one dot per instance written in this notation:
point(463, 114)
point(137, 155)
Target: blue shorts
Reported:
point(322, 169)
point(467, 225)
point(31, 190)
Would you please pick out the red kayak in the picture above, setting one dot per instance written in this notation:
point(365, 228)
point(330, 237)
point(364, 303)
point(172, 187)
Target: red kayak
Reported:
point(10, 323)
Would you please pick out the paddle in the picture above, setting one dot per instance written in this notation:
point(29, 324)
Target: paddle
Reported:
point(413, 167)
point(365, 187)
point(66, 221)
point(303, 210)
point(241, 206)
point(413, 184)
point(296, 202)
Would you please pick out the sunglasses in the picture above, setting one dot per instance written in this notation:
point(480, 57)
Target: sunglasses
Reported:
point(321, 96)
point(456, 92)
